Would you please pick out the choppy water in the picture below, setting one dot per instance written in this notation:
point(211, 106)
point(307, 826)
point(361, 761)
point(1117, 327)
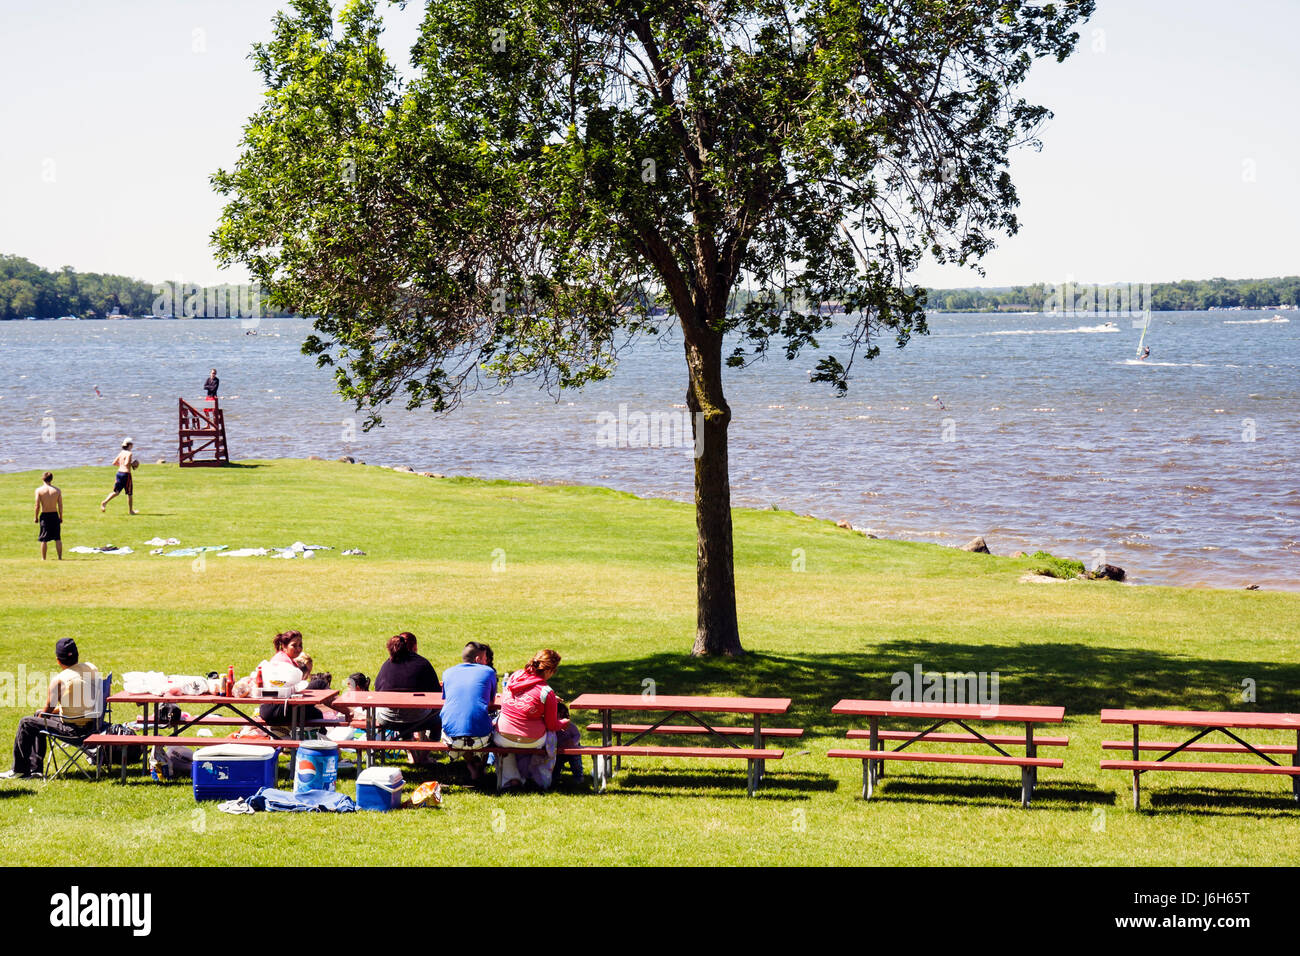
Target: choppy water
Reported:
point(1182, 469)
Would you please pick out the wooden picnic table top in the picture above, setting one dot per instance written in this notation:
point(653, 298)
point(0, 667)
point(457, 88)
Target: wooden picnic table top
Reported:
point(391, 699)
point(395, 699)
point(1203, 718)
point(703, 705)
point(1003, 713)
point(306, 698)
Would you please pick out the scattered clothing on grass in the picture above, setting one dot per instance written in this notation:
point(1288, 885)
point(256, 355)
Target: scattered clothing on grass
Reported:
point(270, 799)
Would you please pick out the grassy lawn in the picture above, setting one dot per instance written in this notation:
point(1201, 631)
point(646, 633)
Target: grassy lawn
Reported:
point(608, 580)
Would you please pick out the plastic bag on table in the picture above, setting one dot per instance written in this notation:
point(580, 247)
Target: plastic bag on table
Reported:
point(145, 682)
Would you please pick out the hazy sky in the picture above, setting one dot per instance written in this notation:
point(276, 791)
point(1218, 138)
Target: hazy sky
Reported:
point(1174, 153)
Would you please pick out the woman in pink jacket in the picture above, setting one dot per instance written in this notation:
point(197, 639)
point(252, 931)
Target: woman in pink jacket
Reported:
point(529, 719)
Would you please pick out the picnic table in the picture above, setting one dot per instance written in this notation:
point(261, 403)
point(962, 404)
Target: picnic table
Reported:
point(295, 707)
point(684, 707)
point(1203, 722)
point(151, 715)
point(371, 701)
point(963, 715)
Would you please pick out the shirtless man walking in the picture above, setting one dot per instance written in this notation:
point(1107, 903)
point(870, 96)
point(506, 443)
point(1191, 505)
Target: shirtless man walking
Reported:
point(49, 515)
point(125, 462)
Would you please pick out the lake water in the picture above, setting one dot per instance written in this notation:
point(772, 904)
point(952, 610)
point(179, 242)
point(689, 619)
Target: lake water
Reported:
point(1182, 470)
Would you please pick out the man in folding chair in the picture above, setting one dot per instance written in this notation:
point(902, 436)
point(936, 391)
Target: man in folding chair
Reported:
point(74, 707)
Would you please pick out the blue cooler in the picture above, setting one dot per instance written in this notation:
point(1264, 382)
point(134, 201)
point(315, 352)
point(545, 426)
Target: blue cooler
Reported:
point(379, 788)
point(316, 766)
point(227, 771)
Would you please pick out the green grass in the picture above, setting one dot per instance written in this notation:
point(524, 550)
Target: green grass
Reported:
point(608, 580)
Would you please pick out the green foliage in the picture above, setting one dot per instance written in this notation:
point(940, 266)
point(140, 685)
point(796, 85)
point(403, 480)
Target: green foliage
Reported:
point(552, 172)
point(1055, 567)
point(28, 290)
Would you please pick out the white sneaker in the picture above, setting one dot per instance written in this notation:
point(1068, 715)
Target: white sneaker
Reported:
point(9, 775)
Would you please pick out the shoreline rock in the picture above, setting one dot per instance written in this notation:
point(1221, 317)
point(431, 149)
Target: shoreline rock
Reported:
point(977, 546)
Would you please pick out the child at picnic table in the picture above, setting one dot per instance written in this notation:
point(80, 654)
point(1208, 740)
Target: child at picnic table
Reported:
point(288, 650)
point(530, 719)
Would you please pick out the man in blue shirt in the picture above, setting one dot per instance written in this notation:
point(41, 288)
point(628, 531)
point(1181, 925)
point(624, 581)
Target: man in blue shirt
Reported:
point(468, 692)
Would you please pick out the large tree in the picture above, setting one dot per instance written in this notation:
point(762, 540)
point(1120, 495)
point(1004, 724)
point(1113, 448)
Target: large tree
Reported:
point(544, 173)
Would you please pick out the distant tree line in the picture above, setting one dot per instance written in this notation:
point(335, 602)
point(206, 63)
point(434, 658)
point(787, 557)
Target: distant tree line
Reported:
point(1187, 295)
point(27, 290)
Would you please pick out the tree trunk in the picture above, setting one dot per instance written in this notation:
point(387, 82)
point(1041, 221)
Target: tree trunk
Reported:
point(716, 628)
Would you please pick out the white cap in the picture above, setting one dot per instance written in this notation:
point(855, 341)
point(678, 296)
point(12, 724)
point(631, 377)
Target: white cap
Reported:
point(127, 441)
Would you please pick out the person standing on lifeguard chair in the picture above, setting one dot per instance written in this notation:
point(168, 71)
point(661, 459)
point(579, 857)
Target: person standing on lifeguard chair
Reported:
point(211, 386)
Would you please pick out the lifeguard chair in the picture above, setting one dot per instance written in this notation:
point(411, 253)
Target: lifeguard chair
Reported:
point(202, 431)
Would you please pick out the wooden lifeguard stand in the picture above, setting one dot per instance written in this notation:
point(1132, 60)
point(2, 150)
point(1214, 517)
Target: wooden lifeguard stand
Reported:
point(202, 431)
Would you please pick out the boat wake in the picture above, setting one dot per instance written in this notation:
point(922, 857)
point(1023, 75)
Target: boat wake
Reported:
point(1081, 330)
point(1277, 319)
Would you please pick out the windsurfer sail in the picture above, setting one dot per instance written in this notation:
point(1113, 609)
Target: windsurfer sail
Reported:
point(1141, 352)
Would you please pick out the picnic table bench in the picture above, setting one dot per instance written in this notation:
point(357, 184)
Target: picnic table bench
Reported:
point(608, 752)
point(147, 741)
point(940, 715)
point(1204, 722)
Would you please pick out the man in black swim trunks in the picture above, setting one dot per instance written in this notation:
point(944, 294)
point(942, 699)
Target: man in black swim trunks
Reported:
point(126, 462)
point(49, 515)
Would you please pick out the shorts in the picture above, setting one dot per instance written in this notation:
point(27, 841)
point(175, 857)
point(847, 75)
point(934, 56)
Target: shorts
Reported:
point(50, 524)
point(467, 743)
point(122, 482)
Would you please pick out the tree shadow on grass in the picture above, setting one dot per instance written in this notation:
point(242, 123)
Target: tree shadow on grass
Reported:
point(723, 783)
point(1064, 795)
point(1080, 677)
point(1217, 801)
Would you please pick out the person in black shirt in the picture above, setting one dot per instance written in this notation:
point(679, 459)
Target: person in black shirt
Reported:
point(406, 671)
point(212, 384)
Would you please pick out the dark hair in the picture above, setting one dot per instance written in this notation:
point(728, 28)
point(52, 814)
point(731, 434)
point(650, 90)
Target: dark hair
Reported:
point(401, 646)
point(47, 477)
point(281, 641)
point(472, 650)
point(360, 681)
point(320, 680)
point(487, 649)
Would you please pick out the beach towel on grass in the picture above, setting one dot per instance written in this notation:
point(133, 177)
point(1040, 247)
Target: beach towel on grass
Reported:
point(270, 799)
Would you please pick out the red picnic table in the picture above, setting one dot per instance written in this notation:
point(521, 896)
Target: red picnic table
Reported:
point(689, 707)
point(962, 715)
point(373, 700)
point(294, 706)
point(1205, 722)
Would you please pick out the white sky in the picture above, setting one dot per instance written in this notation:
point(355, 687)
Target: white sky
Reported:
point(1175, 151)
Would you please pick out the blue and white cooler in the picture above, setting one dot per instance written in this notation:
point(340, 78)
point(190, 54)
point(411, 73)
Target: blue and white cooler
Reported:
point(227, 771)
point(316, 766)
point(379, 788)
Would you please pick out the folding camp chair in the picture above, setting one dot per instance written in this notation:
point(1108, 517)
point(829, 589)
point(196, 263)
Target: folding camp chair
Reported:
point(65, 752)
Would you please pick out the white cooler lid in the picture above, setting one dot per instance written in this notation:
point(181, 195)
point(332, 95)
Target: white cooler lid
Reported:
point(387, 777)
point(234, 752)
